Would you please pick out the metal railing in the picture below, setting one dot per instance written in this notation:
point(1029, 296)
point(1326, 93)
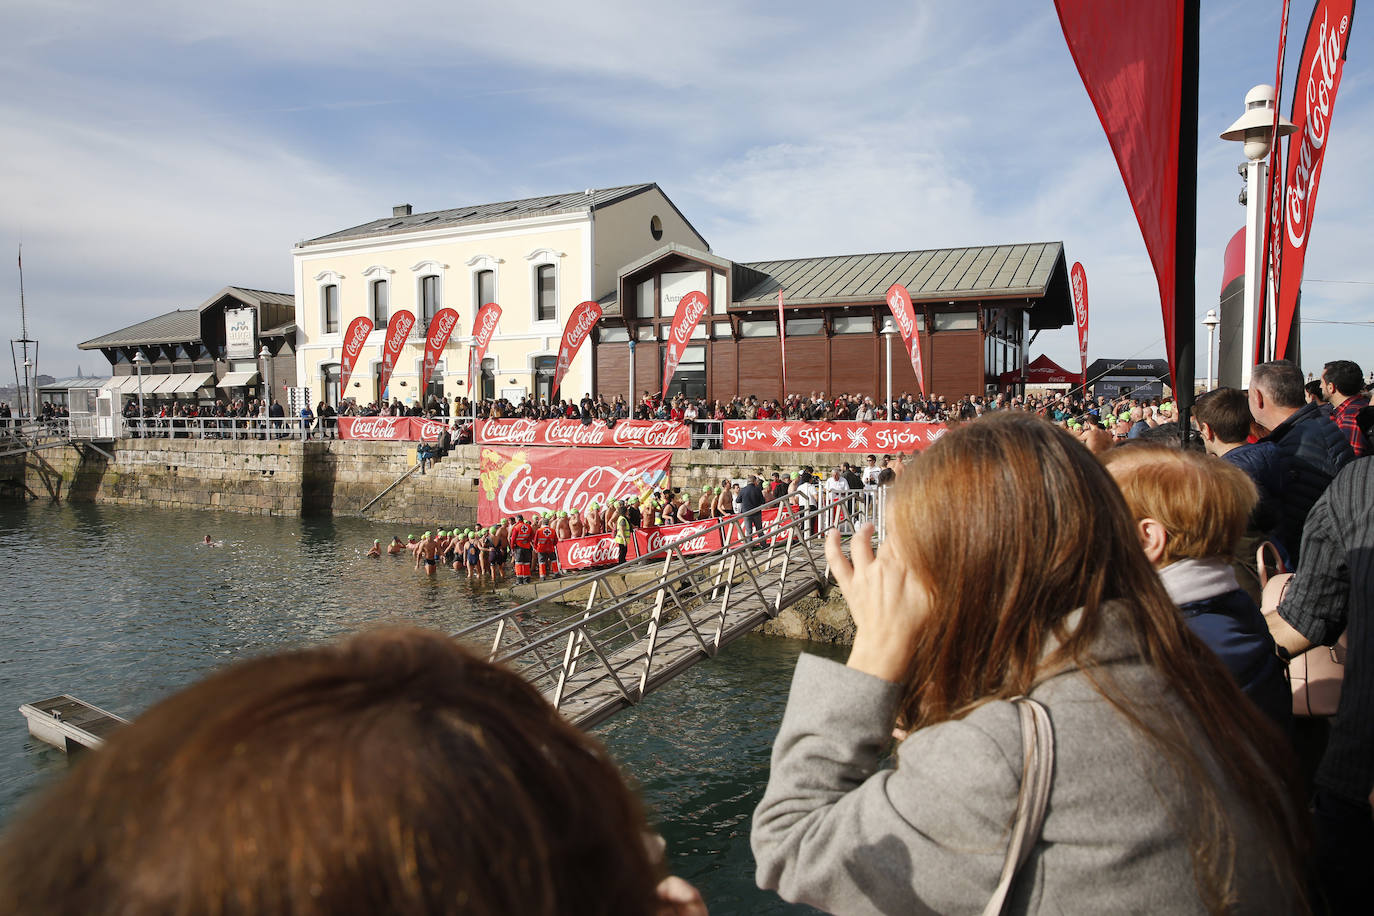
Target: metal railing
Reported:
point(628, 639)
point(227, 428)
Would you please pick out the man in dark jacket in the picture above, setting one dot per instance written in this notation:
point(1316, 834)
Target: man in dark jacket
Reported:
point(1312, 449)
point(750, 499)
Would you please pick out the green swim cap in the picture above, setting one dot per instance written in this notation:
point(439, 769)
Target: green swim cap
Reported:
point(427, 534)
point(562, 515)
point(796, 474)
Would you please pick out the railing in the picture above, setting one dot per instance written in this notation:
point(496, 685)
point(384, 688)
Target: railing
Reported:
point(708, 434)
point(227, 428)
point(628, 639)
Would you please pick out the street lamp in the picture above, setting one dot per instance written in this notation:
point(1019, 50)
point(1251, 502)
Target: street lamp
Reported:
point(266, 356)
point(1211, 321)
point(889, 332)
point(139, 362)
point(1255, 129)
point(630, 397)
point(28, 391)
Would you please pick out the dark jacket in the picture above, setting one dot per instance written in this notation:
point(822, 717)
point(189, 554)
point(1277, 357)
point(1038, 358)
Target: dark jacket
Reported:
point(750, 497)
point(1311, 450)
point(1233, 627)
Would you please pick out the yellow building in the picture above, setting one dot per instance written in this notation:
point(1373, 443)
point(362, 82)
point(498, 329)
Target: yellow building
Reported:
point(538, 258)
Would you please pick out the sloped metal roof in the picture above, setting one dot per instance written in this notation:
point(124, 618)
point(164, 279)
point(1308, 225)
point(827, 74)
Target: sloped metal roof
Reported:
point(571, 202)
point(249, 296)
point(181, 326)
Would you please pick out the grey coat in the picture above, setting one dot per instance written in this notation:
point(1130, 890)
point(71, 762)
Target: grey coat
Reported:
point(839, 832)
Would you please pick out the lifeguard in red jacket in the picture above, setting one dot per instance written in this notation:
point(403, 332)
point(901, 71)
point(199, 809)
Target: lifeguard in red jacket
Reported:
point(546, 548)
point(522, 539)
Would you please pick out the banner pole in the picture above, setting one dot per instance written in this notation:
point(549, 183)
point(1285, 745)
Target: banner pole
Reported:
point(1185, 247)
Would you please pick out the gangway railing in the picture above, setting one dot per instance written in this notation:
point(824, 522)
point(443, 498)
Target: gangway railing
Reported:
point(629, 638)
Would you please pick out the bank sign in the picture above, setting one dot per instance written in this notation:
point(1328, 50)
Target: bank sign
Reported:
point(240, 333)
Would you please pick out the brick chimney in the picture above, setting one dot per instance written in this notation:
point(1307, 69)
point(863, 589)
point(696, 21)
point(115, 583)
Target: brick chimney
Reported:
point(401, 210)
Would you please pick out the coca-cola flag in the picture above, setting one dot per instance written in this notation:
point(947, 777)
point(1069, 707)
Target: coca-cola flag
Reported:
point(354, 338)
point(440, 327)
point(591, 551)
point(561, 433)
point(563, 479)
point(842, 436)
point(1130, 57)
point(482, 330)
point(689, 311)
point(1078, 283)
point(580, 324)
point(899, 302)
point(1314, 97)
point(397, 330)
point(1272, 264)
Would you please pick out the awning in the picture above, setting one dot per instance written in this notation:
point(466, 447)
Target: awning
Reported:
point(166, 384)
point(123, 384)
point(1042, 371)
point(238, 379)
point(195, 381)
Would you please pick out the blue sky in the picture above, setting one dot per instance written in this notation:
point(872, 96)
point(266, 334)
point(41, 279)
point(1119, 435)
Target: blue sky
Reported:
point(156, 151)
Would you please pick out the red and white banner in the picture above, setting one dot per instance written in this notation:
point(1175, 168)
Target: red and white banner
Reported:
point(899, 301)
point(1078, 283)
point(482, 330)
point(592, 551)
point(1319, 78)
point(843, 436)
point(559, 433)
point(391, 429)
point(354, 338)
point(693, 537)
point(580, 324)
point(690, 308)
point(563, 479)
point(397, 330)
point(440, 327)
point(778, 518)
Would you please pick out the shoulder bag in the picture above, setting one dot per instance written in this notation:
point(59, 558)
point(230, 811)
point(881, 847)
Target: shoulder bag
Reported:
point(1037, 773)
point(1315, 675)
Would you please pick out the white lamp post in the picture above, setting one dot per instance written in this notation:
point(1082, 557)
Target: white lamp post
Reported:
point(630, 397)
point(28, 392)
point(889, 332)
point(1255, 130)
point(266, 356)
point(1211, 321)
point(139, 362)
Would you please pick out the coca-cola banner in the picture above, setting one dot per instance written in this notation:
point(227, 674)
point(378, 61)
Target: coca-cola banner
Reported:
point(842, 436)
point(1319, 77)
point(1078, 283)
point(397, 330)
point(689, 312)
point(440, 327)
point(563, 479)
point(580, 324)
point(390, 429)
point(689, 538)
point(558, 433)
point(899, 302)
point(354, 338)
point(482, 330)
point(591, 551)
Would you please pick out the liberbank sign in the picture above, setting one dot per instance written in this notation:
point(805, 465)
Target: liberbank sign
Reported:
point(240, 333)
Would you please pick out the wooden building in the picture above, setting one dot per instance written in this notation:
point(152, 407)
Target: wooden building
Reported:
point(977, 310)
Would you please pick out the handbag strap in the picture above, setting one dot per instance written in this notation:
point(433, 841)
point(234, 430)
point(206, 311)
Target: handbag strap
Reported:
point(1037, 773)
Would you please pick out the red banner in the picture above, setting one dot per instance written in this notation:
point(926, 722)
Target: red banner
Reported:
point(397, 330)
point(391, 429)
point(693, 537)
point(592, 551)
point(1319, 78)
point(560, 433)
point(440, 327)
point(1078, 282)
point(354, 338)
point(482, 330)
point(843, 436)
point(1272, 264)
point(689, 311)
point(580, 324)
point(563, 479)
point(899, 302)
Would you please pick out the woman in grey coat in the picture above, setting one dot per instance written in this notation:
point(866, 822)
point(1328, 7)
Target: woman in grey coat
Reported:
point(1170, 791)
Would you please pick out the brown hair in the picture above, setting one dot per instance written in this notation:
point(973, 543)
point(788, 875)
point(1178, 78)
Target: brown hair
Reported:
point(1227, 412)
point(1041, 531)
point(1203, 503)
point(393, 773)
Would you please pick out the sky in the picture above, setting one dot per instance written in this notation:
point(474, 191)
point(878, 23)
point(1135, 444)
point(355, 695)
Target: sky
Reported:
point(155, 151)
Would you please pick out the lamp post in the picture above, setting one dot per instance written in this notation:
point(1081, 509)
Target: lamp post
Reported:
point(139, 362)
point(630, 397)
point(266, 356)
point(889, 331)
point(28, 392)
point(1255, 129)
point(1211, 321)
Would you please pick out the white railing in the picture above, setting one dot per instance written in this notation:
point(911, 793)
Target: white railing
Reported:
point(265, 428)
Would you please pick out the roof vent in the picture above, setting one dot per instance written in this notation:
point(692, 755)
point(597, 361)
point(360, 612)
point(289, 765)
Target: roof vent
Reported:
point(588, 192)
point(401, 210)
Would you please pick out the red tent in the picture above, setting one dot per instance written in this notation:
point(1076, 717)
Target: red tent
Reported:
point(1043, 371)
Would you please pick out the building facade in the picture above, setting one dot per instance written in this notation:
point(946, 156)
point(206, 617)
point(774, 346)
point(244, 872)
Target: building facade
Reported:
point(537, 258)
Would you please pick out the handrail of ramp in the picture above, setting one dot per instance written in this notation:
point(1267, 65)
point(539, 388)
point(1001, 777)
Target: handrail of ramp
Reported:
point(628, 639)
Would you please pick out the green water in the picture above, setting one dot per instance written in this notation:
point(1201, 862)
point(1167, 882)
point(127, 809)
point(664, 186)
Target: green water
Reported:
point(121, 607)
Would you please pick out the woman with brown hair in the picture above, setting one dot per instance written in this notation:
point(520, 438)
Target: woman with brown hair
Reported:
point(393, 773)
point(1011, 568)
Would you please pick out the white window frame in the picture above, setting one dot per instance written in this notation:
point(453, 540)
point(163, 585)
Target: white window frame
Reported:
point(322, 279)
point(427, 268)
point(544, 257)
point(476, 264)
point(375, 274)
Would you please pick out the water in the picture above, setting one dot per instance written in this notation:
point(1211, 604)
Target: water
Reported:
point(120, 607)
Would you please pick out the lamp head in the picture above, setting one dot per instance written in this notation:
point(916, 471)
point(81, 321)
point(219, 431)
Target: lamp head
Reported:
point(1254, 127)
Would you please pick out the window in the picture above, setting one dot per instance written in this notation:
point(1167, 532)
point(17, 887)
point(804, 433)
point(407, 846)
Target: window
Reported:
point(690, 378)
point(656, 229)
point(956, 321)
point(434, 388)
point(377, 385)
point(329, 303)
point(544, 368)
point(429, 298)
point(676, 287)
point(380, 313)
point(613, 335)
point(484, 289)
point(758, 328)
point(805, 327)
point(853, 325)
point(330, 375)
point(488, 381)
point(546, 308)
point(644, 299)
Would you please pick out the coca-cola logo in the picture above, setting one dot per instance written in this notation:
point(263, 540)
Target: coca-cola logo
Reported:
point(443, 325)
point(509, 432)
point(593, 552)
point(586, 319)
point(651, 435)
point(375, 428)
point(354, 345)
point(430, 429)
point(400, 329)
point(522, 490)
point(1317, 102)
point(488, 319)
point(902, 311)
point(691, 309)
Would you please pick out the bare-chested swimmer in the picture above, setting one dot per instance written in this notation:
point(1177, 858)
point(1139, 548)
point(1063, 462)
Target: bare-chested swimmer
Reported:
point(376, 550)
point(427, 553)
point(395, 546)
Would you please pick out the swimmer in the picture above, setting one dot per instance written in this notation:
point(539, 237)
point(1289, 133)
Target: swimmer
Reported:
point(395, 546)
point(376, 550)
point(428, 553)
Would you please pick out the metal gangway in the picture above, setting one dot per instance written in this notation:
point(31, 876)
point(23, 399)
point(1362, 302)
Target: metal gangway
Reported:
point(629, 639)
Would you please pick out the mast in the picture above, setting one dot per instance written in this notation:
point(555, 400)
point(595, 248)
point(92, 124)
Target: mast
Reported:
point(24, 341)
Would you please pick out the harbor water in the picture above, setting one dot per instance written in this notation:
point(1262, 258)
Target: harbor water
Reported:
point(121, 607)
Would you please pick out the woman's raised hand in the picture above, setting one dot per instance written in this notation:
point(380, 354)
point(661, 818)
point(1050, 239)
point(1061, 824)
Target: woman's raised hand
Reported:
point(886, 599)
